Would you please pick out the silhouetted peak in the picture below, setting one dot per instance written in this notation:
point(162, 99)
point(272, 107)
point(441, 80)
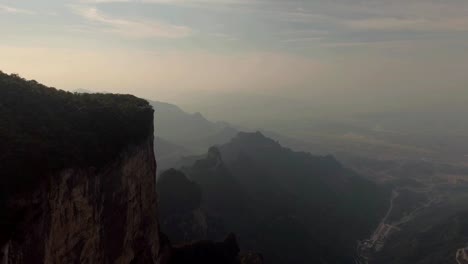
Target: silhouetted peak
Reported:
point(162, 107)
point(212, 159)
point(214, 154)
point(253, 137)
point(198, 115)
point(254, 140)
point(257, 135)
point(200, 118)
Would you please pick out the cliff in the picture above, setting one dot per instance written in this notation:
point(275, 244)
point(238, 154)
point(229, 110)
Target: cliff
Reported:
point(78, 182)
point(91, 215)
point(77, 176)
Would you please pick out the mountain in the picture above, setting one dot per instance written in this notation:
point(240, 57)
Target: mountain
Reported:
point(197, 134)
point(78, 185)
point(184, 219)
point(292, 206)
point(173, 143)
point(170, 118)
point(77, 176)
point(168, 153)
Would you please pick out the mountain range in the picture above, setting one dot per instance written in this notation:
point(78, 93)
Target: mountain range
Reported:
point(291, 206)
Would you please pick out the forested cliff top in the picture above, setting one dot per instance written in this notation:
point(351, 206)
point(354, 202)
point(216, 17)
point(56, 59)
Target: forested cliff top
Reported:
point(44, 129)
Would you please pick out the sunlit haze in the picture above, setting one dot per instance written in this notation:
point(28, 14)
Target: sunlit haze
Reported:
point(234, 131)
point(349, 55)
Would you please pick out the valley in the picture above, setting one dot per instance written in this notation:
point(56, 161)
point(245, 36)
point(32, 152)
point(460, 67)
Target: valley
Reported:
point(369, 247)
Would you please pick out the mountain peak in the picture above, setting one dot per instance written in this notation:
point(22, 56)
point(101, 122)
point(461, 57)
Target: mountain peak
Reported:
point(256, 134)
point(214, 153)
point(214, 156)
point(198, 115)
point(254, 139)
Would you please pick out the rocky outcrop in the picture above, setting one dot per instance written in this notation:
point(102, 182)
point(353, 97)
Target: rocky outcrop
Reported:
point(78, 182)
point(92, 215)
point(77, 177)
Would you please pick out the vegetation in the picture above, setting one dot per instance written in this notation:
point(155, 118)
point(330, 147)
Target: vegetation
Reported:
point(43, 130)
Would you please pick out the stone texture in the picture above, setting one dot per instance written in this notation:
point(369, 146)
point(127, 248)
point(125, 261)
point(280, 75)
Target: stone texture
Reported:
point(91, 215)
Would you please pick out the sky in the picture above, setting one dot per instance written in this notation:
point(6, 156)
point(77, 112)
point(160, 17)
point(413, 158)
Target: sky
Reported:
point(340, 53)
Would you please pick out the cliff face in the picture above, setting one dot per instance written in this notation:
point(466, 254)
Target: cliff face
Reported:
point(78, 181)
point(104, 215)
point(77, 177)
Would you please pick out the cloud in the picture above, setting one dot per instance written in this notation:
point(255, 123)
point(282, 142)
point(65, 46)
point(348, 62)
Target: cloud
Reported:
point(414, 24)
point(104, 1)
point(13, 10)
point(132, 28)
point(305, 39)
point(173, 2)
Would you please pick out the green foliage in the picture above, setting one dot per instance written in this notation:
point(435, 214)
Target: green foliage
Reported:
point(43, 130)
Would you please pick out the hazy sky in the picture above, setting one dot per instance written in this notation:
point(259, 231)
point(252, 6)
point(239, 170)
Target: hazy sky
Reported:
point(362, 51)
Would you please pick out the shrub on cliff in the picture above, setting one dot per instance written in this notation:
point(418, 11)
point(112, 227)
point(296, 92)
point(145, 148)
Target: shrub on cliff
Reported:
point(43, 130)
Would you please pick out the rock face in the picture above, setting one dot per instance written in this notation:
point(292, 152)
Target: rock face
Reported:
point(104, 215)
point(78, 182)
point(78, 177)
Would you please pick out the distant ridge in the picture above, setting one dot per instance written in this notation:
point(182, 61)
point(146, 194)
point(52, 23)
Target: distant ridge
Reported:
point(289, 205)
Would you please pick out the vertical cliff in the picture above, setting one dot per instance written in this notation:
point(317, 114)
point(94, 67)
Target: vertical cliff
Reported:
point(77, 176)
point(78, 182)
point(91, 215)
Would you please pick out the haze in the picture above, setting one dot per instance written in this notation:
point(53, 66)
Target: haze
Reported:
point(250, 131)
point(276, 57)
